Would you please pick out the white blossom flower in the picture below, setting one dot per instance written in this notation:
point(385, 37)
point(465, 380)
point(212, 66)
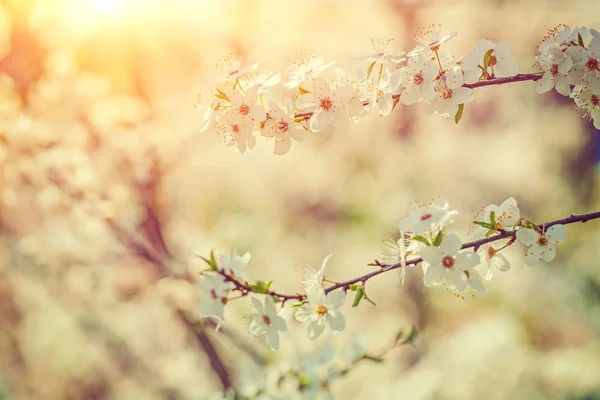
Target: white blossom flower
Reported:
point(312, 280)
point(450, 94)
point(281, 127)
point(430, 38)
point(506, 216)
point(556, 66)
point(427, 217)
point(246, 104)
point(266, 322)
point(586, 68)
point(500, 61)
point(541, 245)
point(328, 104)
point(262, 79)
point(234, 264)
point(562, 36)
point(398, 252)
point(418, 79)
point(381, 91)
point(232, 67)
point(304, 69)
point(492, 260)
point(588, 102)
point(213, 296)
point(381, 55)
point(236, 130)
point(322, 310)
point(445, 265)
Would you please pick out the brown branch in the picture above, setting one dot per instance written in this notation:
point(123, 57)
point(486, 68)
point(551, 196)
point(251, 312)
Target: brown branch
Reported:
point(487, 82)
point(245, 288)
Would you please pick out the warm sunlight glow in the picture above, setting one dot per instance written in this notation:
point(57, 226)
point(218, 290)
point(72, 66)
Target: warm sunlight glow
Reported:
point(114, 7)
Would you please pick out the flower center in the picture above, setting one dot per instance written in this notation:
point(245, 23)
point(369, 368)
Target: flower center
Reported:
point(425, 217)
point(266, 320)
point(282, 126)
point(448, 262)
point(235, 128)
point(595, 100)
point(491, 252)
point(542, 241)
point(321, 310)
point(418, 78)
point(244, 109)
point(446, 94)
point(493, 61)
point(554, 69)
point(326, 103)
point(213, 294)
point(592, 64)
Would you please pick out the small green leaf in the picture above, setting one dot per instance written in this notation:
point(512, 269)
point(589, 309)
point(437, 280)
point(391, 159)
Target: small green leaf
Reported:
point(358, 297)
point(406, 336)
point(580, 40)
point(459, 113)
point(487, 57)
point(375, 359)
point(260, 287)
point(422, 239)
point(370, 69)
point(299, 303)
point(211, 261)
point(490, 233)
point(354, 288)
point(302, 90)
point(493, 218)
point(276, 299)
point(484, 224)
point(438, 238)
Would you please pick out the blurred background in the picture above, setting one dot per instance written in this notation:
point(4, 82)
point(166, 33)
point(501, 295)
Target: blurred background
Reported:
point(108, 191)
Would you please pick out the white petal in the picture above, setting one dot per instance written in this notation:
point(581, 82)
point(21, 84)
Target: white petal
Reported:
point(257, 328)
point(410, 95)
point(549, 252)
point(533, 255)
point(273, 339)
point(336, 320)
point(335, 299)
point(556, 234)
point(527, 236)
point(306, 313)
point(451, 244)
point(257, 304)
point(314, 329)
point(278, 323)
point(500, 262)
point(319, 120)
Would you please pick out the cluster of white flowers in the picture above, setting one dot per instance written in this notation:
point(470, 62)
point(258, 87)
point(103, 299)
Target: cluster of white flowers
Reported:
point(572, 67)
point(424, 243)
point(243, 104)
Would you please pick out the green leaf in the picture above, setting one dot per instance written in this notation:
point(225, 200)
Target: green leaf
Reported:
point(375, 359)
point(302, 90)
point(276, 299)
point(459, 113)
point(367, 298)
point(490, 233)
point(484, 224)
point(438, 238)
point(487, 57)
point(406, 336)
point(580, 40)
point(358, 297)
point(354, 288)
point(261, 287)
point(370, 69)
point(422, 239)
point(211, 261)
point(299, 303)
point(493, 219)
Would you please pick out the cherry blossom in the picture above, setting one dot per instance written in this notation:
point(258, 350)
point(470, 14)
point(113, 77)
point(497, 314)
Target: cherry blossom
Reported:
point(280, 126)
point(445, 265)
point(430, 38)
point(589, 103)
point(322, 310)
point(556, 66)
point(234, 264)
point(492, 260)
point(328, 104)
point(418, 79)
point(381, 55)
point(427, 217)
point(313, 279)
point(266, 322)
point(541, 245)
point(586, 68)
point(232, 67)
point(381, 93)
point(450, 94)
point(213, 296)
point(304, 69)
point(506, 216)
